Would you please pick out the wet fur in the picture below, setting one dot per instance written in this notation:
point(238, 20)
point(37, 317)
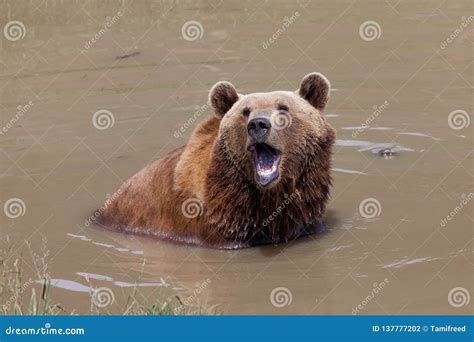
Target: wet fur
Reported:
point(235, 210)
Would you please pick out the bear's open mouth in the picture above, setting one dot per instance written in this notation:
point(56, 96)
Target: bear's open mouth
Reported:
point(267, 160)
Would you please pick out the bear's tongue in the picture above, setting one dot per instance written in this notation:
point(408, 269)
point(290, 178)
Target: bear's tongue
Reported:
point(266, 161)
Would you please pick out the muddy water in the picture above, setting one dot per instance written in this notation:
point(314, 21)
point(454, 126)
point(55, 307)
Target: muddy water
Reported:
point(389, 248)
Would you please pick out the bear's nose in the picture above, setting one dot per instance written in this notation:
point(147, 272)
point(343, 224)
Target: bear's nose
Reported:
point(258, 128)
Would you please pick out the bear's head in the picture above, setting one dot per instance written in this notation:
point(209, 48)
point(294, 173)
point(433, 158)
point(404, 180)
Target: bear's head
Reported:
point(271, 138)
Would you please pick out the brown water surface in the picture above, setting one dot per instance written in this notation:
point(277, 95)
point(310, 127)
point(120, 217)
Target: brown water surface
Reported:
point(412, 166)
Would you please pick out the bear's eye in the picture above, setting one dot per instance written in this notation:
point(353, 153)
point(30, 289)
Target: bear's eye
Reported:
point(246, 112)
point(283, 108)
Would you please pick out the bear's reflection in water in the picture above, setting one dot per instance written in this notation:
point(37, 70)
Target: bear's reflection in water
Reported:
point(240, 276)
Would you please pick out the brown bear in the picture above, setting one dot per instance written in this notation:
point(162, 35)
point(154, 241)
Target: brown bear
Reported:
point(256, 172)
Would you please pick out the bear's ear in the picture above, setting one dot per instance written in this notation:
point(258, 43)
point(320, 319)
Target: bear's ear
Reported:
point(222, 97)
point(314, 88)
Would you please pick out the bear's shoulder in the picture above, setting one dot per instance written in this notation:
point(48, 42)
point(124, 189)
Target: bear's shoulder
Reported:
point(192, 167)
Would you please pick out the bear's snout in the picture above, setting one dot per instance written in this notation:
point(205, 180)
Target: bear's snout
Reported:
point(258, 128)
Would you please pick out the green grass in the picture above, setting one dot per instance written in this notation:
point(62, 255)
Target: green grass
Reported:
point(19, 296)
